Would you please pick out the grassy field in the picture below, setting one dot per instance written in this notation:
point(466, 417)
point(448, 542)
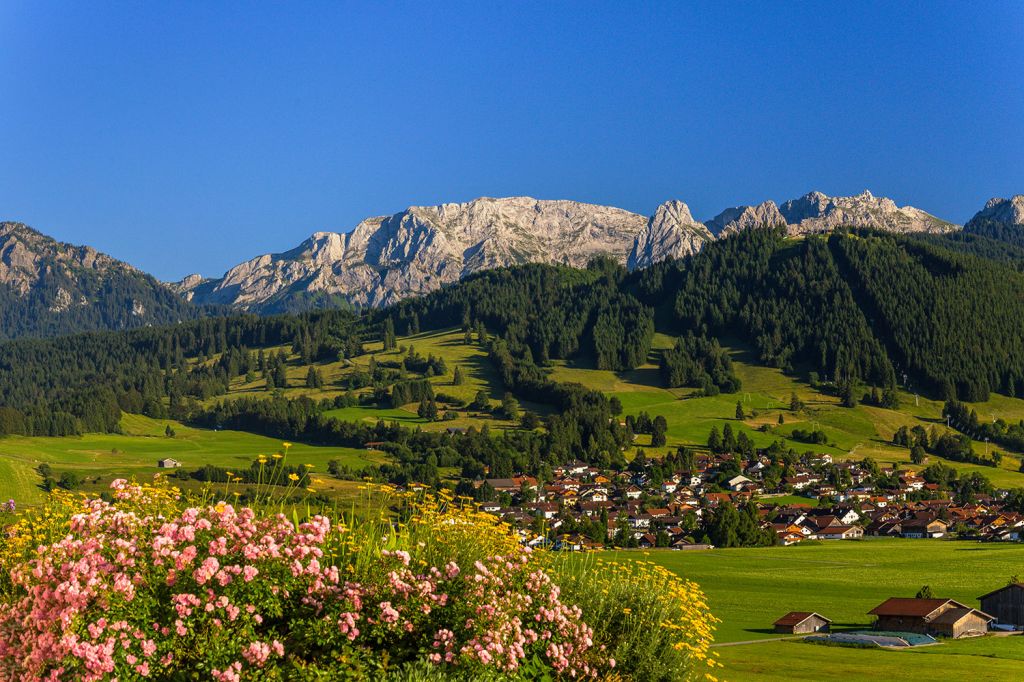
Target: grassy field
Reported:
point(446, 344)
point(988, 659)
point(852, 432)
point(748, 589)
point(136, 451)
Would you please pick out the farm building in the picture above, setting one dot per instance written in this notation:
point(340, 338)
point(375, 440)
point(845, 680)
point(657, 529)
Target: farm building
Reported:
point(943, 617)
point(168, 463)
point(802, 622)
point(1006, 604)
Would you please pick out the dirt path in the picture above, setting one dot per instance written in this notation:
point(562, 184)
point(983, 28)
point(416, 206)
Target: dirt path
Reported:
point(758, 641)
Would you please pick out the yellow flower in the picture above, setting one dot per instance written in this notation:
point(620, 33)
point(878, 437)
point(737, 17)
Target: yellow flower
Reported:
point(277, 455)
point(308, 466)
point(261, 459)
point(310, 490)
point(220, 507)
point(293, 477)
point(286, 445)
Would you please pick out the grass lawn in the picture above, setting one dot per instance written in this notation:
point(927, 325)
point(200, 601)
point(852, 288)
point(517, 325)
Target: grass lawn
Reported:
point(994, 659)
point(749, 588)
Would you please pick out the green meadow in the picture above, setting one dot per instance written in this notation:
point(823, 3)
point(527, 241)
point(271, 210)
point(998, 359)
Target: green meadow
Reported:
point(986, 659)
point(98, 458)
point(748, 589)
point(852, 432)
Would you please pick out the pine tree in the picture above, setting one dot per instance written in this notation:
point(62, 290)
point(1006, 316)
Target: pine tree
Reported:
point(714, 440)
point(458, 379)
point(510, 406)
point(728, 439)
point(739, 411)
point(390, 342)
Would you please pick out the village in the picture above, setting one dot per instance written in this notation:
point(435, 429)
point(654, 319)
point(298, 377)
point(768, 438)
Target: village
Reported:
point(583, 507)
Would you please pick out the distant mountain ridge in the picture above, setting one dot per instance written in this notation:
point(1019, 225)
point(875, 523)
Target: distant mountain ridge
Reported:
point(48, 287)
point(386, 259)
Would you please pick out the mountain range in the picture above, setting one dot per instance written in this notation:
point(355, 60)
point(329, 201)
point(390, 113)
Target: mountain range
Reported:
point(49, 287)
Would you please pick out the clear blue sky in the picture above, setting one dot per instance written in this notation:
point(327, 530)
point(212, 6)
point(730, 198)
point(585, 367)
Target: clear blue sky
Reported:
point(188, 136)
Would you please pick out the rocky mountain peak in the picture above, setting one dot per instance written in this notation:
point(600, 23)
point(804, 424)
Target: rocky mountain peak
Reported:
point(670, 233)
point(1008, 212)
point(818, 212)
point(422, 248)
point(738, 218)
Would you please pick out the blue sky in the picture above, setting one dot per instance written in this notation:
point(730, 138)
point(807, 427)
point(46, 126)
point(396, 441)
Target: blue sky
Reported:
point(189, 136)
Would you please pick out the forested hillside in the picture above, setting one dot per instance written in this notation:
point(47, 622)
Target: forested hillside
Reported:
point(48, 288)
point(854, 307)
point(82, 383)
point(850, 310)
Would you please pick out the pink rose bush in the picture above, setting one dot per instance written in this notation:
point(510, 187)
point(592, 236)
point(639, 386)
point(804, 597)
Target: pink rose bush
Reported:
point(141, 588)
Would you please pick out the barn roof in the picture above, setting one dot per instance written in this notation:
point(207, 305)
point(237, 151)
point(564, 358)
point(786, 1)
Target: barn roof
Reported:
point(953, 616)
point(797, 617)
point(909, 606)
point(1019, 586)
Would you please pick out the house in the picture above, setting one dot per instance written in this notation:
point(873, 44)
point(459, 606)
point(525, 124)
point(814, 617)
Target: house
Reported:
point(802, 622)
point(737, 483)
point(1006, 604)
point(168, 463)
point(841, 533)
point(923, 528)
point(943, 617)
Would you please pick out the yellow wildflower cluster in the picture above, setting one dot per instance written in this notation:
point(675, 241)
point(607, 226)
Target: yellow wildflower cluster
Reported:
point(650, 617)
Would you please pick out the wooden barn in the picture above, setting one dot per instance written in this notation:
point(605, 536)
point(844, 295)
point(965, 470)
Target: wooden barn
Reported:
point(802, 622)
point(1006, 604)
point(942, 617)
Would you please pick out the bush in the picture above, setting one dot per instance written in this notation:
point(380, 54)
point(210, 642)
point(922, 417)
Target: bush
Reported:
point(151, 582)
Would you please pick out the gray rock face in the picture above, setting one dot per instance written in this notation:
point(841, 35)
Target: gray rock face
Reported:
point(746, 217)
point(817, 212)
point(422, 248)
point(670, 233)
point(27, 255)
point(1008, 212)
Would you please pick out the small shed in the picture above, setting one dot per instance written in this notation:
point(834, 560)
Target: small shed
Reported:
point(802, 622)
point(168, 463)
point(1006, 604)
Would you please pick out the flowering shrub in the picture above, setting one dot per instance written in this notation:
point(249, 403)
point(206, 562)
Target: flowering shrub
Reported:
point(150, 586)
